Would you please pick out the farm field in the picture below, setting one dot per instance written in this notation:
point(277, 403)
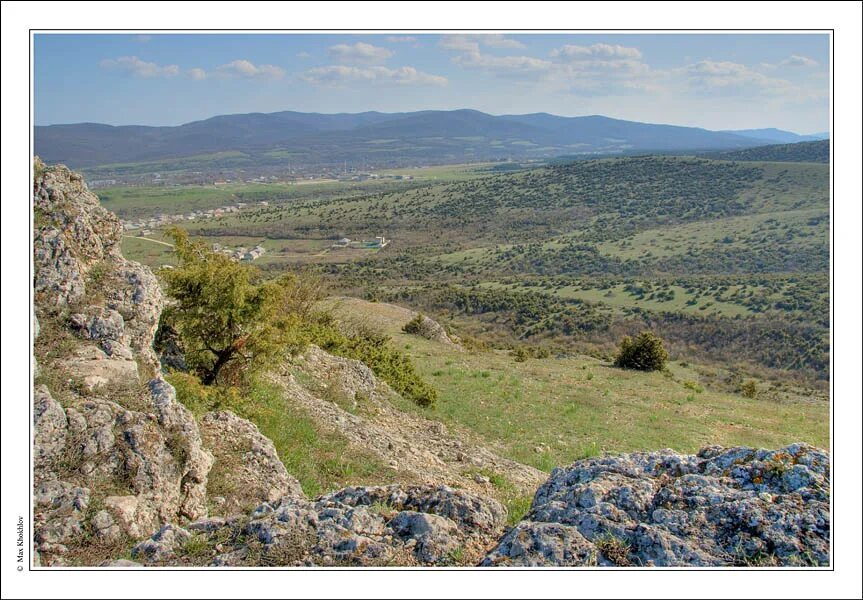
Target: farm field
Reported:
point(147, 200)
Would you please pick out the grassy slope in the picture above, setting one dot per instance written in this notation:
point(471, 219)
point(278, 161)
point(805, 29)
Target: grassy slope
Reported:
point(577, 406)
point(315, 456)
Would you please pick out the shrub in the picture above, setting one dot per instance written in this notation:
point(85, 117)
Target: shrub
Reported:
point(377, 352)
point(416, 326)
point(644, 353)
point(749, 389)
point(614, 549)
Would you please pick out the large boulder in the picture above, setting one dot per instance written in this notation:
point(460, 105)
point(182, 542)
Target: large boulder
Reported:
point(722, 507)
point(430, 329)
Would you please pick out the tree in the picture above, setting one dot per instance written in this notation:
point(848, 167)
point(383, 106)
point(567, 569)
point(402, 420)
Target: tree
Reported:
point(227, 321)
point(644, 353)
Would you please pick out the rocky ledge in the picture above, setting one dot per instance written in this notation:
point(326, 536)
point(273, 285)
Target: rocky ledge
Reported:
point(356, 526)
point(722, 507)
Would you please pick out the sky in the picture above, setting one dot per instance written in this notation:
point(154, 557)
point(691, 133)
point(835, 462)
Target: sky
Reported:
point(715, 81)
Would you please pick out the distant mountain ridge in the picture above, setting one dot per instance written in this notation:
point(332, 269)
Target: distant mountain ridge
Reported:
point(778, 136)
point(373, 137)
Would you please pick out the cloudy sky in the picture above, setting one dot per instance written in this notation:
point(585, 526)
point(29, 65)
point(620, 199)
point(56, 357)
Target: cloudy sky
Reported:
point(717, 81)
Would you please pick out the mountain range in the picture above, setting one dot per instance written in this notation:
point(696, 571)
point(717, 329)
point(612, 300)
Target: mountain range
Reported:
point(779, 136)
point(374, 138)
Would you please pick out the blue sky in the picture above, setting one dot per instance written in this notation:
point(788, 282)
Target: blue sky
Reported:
point(717, 81)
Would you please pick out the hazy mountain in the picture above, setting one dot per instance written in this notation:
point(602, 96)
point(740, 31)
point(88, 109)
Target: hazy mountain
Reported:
point(373, 138)
point(603, 132)
point(778, 136)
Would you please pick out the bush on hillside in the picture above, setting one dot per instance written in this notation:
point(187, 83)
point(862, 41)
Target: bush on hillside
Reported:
point(749, 389)
point(644, 353)
point(377, 352)
point(417, 326)
point(230, 322)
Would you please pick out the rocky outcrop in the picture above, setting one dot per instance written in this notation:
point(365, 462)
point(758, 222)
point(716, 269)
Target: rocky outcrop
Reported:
point(391, 318)
point(363, 413)
point(78, 264)
point(246, 469)
point(143, 467)
point(115, 457)
point(734, 506)
point(359, 526)
point(430, 329)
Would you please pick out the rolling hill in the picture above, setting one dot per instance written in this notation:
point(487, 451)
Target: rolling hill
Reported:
point(817, 151)
point(372, 138)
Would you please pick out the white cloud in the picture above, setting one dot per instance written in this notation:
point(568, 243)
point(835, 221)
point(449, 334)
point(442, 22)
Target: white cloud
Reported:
point(581, 70)
point(238, 69)
point(244, 69)
point(460, 43)
point(603, 51)
point(303, 55)
point(472, 42)
point(496, 40)
point(727, 77)
point(359, 53)
point(796, 60)
point(134, 66)
point(504, 65)
point(401, 39)
point(197, 74)
point(341, 74)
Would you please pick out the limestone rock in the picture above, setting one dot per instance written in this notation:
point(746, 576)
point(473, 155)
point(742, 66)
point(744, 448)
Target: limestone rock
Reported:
point(350, 376)
point(432, 330)
point(95, 369)
point(422, 525)
point(77, 261)
point(435, 536)
point(162, 545)
point(245, 463)
point(734, 506)
point(472, 513)
point(50, 426)
point(159, 459)
point(137, 452)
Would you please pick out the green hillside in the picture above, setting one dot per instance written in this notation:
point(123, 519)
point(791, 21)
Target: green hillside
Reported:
point(728, 261)
point(818, 152)
point(551, 411)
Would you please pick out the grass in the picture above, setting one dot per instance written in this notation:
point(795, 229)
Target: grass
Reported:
point(517, 504)
point(550, 403)
point(319, 459)
point(614, 549)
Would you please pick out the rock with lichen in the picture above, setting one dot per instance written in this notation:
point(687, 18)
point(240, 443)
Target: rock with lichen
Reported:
point(722, 507)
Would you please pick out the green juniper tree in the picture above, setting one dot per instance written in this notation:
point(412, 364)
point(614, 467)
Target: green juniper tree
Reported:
point(229, 322)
